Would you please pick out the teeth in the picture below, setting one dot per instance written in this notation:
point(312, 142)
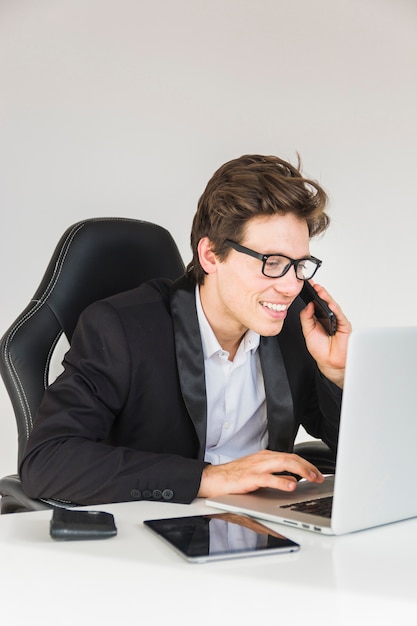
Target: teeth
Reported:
point(274, 307)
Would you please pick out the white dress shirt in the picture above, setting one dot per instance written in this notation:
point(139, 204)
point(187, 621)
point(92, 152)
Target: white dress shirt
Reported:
point(236, 407)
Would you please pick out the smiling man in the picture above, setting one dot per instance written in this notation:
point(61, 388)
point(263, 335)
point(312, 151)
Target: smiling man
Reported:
point(198, 387)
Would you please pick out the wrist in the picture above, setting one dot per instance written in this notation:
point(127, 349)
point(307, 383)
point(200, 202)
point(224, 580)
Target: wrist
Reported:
point(336, 376)
point(209, 479)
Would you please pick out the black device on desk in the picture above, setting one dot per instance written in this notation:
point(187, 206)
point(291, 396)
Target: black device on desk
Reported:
point(202, 538)
point(75, 525)
point(323, 312)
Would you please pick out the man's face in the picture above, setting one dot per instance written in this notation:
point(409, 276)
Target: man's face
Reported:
point(239, 296)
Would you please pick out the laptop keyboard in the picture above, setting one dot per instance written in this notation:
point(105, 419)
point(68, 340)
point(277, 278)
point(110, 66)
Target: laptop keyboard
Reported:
point(319, 506)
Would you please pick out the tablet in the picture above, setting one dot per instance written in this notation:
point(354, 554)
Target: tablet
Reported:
point(203, 538)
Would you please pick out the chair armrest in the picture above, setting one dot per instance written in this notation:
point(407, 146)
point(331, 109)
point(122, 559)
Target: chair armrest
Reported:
point(14, 499)
point(317, 453)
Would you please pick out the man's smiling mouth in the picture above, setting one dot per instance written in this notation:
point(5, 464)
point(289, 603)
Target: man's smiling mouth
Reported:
point(274, 307)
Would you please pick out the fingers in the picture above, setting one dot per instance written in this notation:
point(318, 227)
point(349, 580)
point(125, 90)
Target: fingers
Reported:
point(298, 466)
point(308, 320)
point(262, 469)
point(343, 324)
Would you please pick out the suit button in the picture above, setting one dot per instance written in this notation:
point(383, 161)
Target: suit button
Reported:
point(167, 494)
point(136, 494)
point(147, 493)
point(157, 494)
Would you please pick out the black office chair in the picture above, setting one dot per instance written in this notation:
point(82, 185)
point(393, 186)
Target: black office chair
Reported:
point(94, 258)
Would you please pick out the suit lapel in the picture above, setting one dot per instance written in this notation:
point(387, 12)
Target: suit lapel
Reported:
point(190, 359)
point(279, 401)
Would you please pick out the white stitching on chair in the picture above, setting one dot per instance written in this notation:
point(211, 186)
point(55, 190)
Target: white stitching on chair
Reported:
point(13, 374)
point(49, 289)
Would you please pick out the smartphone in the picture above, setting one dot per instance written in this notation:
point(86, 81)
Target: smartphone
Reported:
point(204, 538)
point(75, 525)
point(324, 314)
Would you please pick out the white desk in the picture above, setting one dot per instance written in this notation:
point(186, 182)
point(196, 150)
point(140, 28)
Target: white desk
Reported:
point(355, 579)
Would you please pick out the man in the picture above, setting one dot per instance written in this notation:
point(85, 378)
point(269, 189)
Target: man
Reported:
point(198, 388)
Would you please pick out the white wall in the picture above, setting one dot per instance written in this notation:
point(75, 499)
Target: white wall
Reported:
point(126, 107)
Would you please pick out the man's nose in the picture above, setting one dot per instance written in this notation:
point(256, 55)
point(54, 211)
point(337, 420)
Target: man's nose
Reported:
point(289, 283)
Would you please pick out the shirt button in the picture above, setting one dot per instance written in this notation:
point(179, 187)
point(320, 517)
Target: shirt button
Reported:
point(157, 494)
point(135, 494)
point(147, 493)
point(226, 425)
point(167, 494)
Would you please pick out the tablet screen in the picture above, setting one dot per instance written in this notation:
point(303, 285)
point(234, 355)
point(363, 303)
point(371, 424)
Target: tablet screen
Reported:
point(201, 538)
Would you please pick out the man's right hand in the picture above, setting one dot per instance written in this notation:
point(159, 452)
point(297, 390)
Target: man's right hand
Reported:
point(254, 471)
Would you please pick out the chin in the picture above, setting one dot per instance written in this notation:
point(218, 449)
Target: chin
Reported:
point(270, 330)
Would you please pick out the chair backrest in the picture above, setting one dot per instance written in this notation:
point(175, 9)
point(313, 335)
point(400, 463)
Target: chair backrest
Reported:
point(94, 258)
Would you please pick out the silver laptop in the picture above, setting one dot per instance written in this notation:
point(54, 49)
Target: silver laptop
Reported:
point(376, 472)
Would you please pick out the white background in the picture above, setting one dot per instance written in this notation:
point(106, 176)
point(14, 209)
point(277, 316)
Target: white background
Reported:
point(126, 108)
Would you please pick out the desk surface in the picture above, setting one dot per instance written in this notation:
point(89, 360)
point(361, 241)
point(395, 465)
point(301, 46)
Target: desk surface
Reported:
point(351, 579)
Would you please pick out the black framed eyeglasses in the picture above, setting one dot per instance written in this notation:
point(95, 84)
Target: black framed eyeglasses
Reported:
point(277, 265)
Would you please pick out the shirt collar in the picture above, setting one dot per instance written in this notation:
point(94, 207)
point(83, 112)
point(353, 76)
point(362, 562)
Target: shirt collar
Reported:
point(209, 340)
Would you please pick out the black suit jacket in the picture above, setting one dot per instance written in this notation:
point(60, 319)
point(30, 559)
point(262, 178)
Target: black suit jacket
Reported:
point(127, 418)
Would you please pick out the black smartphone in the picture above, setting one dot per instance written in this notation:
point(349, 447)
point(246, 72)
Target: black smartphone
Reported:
point(203, 538)
point(75, 525)
point(324, 314)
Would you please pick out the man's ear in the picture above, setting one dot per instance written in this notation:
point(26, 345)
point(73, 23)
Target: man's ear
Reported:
point(208, 259)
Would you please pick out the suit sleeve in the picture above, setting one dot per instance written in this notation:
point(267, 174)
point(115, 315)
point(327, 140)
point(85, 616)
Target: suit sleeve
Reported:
point(67, 457)
point(324, 421)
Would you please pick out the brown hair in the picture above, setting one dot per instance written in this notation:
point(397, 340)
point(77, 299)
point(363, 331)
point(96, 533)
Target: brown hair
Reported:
point(248, 187)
